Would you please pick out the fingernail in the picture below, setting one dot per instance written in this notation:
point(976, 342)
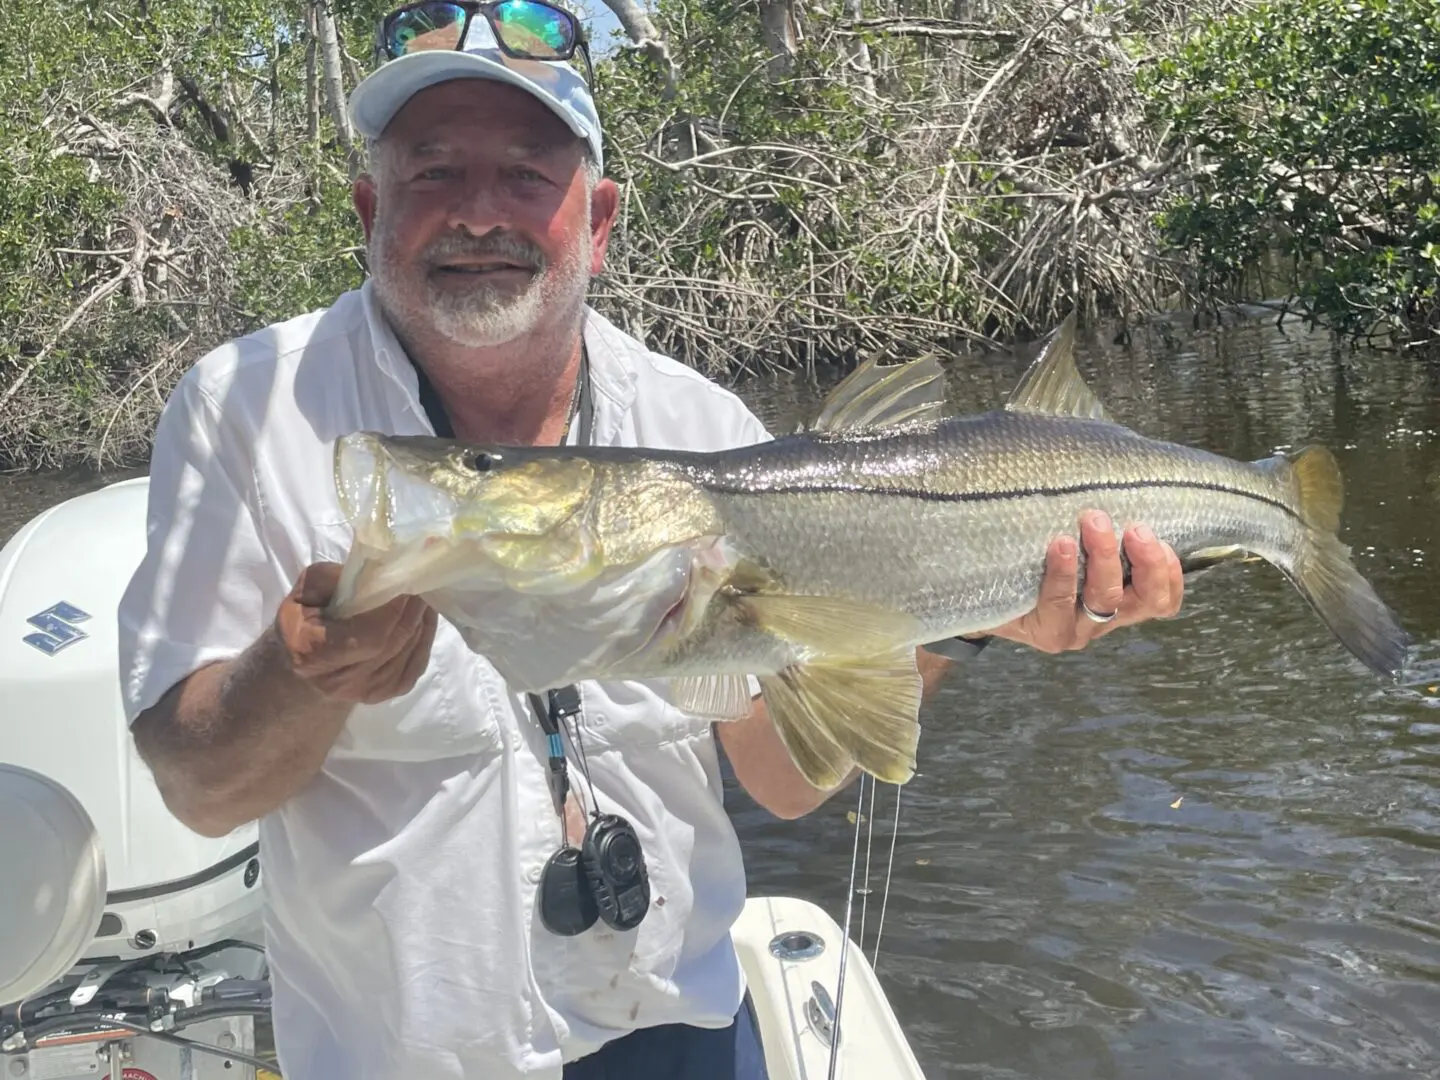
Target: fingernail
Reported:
point(1144, 533)
point(1101, 520)
point(1066, 546)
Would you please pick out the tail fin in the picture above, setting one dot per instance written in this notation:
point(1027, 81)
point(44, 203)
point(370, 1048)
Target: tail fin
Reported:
point(1327, 578)
point(1349, 606)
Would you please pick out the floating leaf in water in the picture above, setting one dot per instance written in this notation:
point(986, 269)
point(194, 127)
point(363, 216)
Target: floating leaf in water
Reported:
point(922, 862)
point(1176, 804)
point(850, 816)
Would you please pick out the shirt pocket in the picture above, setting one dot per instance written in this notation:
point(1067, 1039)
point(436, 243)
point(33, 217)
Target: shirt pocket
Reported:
point(454, 709)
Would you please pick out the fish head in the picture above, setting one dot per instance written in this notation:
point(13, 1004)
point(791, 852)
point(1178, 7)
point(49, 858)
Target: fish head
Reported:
point(428, 512)
point(544, 558)
point(527, 512)
point(431, 509)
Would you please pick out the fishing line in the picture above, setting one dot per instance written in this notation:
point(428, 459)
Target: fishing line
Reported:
point(869, 837)
point(889, 871)
point(845, 941)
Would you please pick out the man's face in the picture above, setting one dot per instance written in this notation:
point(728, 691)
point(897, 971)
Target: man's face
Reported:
point(479, 217)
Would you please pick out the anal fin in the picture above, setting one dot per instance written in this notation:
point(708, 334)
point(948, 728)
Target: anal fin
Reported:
point(721, 697)
point(835, 717)
point(1205, 558)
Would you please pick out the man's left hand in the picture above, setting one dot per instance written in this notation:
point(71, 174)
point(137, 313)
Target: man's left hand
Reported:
point(1059, 623)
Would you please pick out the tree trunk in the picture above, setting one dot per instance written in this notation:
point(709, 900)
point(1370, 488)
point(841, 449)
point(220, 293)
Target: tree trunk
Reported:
point(860, 50)
point(312, 80)
point(334, 78)
point(777, 24)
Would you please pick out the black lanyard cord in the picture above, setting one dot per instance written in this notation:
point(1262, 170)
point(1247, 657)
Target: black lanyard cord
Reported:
point(583, 406)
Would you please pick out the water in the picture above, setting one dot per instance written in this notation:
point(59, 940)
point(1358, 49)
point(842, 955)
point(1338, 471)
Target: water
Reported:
point(1198, 849)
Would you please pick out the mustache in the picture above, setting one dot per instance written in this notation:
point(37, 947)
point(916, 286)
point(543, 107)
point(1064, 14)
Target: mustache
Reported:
point(498, 245)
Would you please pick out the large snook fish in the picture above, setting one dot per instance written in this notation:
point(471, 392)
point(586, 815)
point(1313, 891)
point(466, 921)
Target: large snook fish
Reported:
point(818, 561)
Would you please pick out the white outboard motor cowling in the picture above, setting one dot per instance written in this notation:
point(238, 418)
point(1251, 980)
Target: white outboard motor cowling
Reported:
point(110, 908)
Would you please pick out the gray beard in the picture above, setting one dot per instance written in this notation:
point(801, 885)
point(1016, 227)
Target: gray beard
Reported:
point(483, 316)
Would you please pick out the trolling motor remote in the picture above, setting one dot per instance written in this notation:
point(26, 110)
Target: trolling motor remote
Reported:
point(615, 867)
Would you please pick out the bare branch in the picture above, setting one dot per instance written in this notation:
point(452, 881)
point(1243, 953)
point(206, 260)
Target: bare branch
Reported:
point(642, 32)
point(929, 28)
point(99, 293)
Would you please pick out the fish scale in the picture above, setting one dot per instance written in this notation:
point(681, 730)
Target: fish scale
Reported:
point(943, 540)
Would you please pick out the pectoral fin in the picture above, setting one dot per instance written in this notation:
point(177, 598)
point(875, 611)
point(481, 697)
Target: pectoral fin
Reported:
point(830, 626)
point(834, 717)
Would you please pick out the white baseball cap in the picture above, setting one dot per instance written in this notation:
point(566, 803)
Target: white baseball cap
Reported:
point(557, 83)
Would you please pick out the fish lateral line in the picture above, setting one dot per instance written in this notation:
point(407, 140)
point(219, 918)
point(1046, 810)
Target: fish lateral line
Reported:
point(827, 486)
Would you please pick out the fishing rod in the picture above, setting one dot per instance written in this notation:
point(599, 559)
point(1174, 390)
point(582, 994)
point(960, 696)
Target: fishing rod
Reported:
point(867, 821)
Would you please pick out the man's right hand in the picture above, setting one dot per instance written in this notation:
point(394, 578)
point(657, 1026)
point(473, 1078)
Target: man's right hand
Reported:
point(366, 659)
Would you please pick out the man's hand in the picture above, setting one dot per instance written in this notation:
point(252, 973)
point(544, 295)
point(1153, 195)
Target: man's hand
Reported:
point(363, 660)
point(237, 738)
point(1058, 623)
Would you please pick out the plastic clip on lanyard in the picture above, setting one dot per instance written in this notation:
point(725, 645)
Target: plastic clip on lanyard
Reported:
point(564, 704)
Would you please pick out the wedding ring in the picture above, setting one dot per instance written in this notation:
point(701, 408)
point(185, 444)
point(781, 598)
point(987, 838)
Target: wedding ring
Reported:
point(1095, 616)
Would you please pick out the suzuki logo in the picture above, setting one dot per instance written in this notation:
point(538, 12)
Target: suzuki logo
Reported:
point(56, 628)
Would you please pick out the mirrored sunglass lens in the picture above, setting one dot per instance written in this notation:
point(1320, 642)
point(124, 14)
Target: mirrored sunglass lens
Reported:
point(537, 30)
point(425, 27)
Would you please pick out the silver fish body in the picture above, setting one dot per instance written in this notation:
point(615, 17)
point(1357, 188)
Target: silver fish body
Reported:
point(951, 523)
point(818, 561)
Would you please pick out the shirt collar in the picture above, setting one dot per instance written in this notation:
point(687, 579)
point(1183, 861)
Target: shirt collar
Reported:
point(390, 356)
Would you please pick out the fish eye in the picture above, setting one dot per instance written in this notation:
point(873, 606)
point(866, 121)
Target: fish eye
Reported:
point(481, 461)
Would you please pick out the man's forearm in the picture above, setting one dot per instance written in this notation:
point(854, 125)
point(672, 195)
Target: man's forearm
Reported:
point(236, 739)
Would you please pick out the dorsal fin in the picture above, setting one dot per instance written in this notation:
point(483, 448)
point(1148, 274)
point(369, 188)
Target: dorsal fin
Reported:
point(873, 396)
point(1053, 385)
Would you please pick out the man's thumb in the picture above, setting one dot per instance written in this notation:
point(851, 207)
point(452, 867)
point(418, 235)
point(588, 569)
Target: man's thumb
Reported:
point(317, 584)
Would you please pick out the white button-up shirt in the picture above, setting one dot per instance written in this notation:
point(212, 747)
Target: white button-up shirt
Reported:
point(400, 882)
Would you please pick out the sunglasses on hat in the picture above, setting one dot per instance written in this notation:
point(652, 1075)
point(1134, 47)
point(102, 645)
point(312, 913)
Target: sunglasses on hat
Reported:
point(523, 29)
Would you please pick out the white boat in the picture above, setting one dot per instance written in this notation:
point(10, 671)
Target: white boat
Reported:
point(131, 948)
point(790, 950)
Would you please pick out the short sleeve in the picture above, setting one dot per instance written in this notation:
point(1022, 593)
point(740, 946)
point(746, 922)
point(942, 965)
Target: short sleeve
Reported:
point(206, 586)
point(749, 429)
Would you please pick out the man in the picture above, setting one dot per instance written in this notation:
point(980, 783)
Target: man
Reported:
point(400, 785)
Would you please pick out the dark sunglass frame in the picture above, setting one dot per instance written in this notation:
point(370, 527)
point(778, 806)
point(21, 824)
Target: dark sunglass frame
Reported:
point(487, 8)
